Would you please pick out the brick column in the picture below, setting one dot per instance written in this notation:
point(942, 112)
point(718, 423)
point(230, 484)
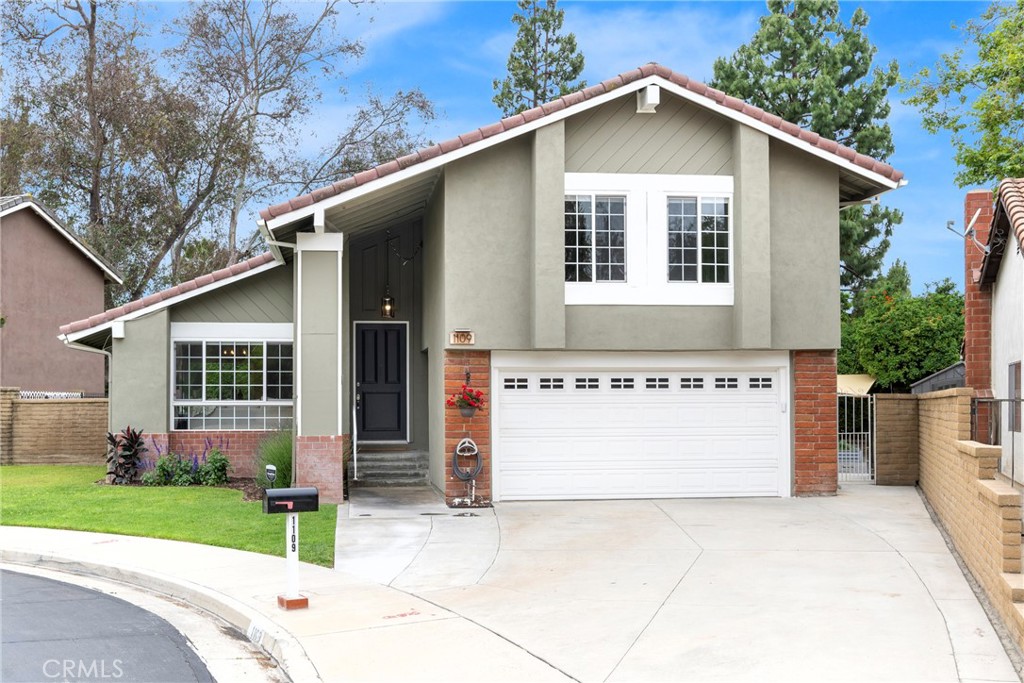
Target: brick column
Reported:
point(478, 427)
point(814, 423)
point(978, 309)
point(7, 397)
point(320, 462)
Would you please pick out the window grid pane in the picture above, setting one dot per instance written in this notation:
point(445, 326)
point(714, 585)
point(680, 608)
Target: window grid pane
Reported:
point(682, 239)
point(714, 238)
point(595, 238)
point(232, 371)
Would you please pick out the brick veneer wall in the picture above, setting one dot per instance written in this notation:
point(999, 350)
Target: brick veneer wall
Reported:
point(478, 427)
point(896, 427)
point(53, 431)
point(978, 308)
point(321, 463)
point(815, 463)
point(981, 515)
point(240, 447)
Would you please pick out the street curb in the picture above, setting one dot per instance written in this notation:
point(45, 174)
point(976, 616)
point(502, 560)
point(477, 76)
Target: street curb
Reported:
point(277, 642)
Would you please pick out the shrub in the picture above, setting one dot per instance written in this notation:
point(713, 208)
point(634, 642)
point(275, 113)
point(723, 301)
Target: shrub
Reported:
point(277, 451)
point(124, 455)
point(214, 472)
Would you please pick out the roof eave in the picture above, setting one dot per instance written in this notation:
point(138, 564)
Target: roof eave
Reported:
point(882, 182)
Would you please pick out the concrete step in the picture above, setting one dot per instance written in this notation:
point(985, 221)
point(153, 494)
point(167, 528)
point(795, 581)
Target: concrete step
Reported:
point(390, 467)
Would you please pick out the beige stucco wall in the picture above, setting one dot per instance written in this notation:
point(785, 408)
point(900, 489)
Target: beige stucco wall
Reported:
point(45, 282)
point(434, 334)
point(318, 348)
point(503, 233)
point(1008, 347)
point(804, 250)
point(140, 374)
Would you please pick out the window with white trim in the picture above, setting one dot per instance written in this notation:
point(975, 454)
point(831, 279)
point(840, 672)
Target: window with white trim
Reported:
point(595, 238)
point(648, 239)
point(232, 385)
point(698, 240)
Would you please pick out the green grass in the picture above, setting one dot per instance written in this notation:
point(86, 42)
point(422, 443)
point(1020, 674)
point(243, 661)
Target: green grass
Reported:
point(67, 497)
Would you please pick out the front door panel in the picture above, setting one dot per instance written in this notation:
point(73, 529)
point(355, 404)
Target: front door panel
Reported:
point(381, 382)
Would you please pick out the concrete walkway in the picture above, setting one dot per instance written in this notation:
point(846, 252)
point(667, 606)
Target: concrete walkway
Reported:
point(859, 587)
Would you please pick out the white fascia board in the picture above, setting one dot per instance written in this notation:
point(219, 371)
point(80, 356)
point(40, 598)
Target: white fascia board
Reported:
point(630, 88)
point(172, 301)
point(67, 235)
point(81, 334)
point(642, 360)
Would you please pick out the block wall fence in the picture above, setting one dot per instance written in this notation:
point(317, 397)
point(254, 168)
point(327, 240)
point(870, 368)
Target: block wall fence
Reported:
point(930, 434)
point(52, 431)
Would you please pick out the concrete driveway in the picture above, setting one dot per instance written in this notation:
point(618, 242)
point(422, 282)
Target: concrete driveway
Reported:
point(859, 587)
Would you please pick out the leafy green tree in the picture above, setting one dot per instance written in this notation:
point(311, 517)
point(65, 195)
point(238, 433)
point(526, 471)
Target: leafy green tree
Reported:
point(895, 283)
point(544, 63)
point(980, 103)
point(809, 67)
point(900, 339)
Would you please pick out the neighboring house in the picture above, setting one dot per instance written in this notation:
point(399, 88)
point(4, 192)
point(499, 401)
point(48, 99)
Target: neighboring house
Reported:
point(47, 277)
point(643, 278)
point(994, 316)
point(947, 378)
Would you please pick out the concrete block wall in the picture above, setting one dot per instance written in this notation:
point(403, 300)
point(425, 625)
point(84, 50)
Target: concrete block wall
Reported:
point(981, 515)
point(896, 437)
point(52, 431)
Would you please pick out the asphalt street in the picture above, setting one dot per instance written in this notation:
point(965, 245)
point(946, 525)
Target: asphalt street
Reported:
point(54, 631)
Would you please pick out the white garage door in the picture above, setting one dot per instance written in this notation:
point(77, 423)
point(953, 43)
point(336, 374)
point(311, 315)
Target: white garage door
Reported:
point(572, 433)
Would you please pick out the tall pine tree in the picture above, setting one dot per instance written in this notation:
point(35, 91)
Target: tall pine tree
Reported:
point(543, 65)
point(807, 66)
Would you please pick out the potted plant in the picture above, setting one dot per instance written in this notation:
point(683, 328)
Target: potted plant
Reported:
point(467, 400)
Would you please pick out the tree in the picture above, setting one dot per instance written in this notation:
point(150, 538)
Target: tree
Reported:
point(257, 62)
point(895, 284)
point(981, 104)
point(543, 64)
point(808, 67)
point(900, 339)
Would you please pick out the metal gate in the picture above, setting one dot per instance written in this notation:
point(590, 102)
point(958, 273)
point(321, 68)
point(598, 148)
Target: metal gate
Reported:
point(856, 438)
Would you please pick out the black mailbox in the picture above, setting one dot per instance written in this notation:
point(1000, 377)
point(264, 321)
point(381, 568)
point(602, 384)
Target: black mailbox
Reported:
point(302, 499)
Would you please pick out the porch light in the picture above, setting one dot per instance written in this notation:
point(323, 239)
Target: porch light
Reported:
point(387, 305)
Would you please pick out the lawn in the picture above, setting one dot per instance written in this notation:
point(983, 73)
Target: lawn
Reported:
point(68, 497)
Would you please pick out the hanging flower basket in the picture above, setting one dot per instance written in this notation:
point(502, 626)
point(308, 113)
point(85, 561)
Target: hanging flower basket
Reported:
point(468, 400)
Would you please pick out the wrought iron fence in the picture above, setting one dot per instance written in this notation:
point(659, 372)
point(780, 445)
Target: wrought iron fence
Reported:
point(856, 437)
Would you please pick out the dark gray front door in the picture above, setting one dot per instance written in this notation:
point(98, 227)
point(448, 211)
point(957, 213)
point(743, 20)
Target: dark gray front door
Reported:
point(381, 382)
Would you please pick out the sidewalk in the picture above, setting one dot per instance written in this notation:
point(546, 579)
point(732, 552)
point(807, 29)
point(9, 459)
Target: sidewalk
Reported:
point(859, 587)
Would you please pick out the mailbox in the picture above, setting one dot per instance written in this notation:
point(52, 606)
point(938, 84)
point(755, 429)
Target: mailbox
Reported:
point(301, 499)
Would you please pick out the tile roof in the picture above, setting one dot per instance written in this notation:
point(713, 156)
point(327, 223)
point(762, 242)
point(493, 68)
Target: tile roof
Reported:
point(194, 285)
point(566, 102)
point(1011, 195)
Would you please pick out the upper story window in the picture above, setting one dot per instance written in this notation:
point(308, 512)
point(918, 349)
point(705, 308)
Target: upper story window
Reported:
point(595, 238)
point(698, 239)
point(646, 239)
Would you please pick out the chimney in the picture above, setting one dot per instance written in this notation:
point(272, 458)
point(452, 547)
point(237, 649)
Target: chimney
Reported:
point(978, 308)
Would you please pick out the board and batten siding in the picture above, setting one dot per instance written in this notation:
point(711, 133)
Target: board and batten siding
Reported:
point(680, 138)
point(263, 298)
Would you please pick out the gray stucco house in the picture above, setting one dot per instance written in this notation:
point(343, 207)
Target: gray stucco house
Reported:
point(642, 277)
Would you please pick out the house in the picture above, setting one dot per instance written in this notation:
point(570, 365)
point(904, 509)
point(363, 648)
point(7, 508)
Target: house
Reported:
point(949, 377)
point(642, 277)
point(47, 277)
point(994, 316)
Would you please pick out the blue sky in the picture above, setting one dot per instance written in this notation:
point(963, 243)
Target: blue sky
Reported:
point(453, 50)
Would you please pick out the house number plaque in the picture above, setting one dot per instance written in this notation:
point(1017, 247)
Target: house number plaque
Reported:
point(462, 338)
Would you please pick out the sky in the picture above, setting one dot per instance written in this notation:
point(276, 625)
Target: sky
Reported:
point(453, 50)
